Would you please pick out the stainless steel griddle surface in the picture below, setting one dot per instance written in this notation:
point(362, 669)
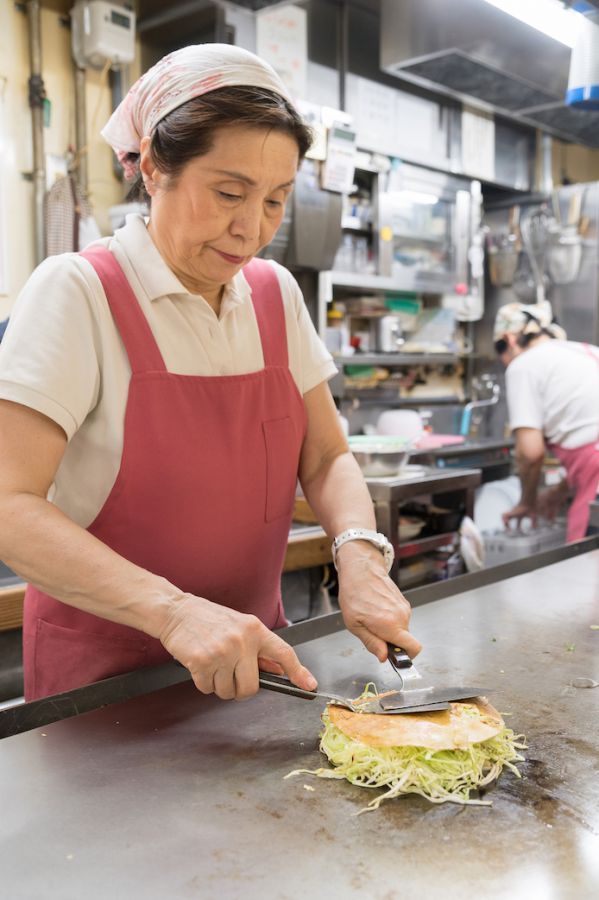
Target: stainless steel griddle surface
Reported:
point(175, 795)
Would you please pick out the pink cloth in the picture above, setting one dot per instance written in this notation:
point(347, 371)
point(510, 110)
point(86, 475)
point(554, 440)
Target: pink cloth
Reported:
point(204, 495)
point(582, 468)
point(432, 441)
point(177, 78)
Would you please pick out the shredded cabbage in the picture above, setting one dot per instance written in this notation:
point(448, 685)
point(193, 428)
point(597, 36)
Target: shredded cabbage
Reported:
point(438, 775)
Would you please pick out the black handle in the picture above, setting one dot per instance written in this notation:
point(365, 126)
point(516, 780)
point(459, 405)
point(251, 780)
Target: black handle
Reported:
point(282, 685)
point(398, 658)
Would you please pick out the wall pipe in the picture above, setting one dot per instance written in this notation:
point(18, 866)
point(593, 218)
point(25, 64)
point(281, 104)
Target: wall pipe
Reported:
point(342, 51)
point(82, 156)
point(37, 95)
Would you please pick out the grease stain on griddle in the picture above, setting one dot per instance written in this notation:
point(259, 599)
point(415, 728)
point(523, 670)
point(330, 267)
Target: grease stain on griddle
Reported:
point(538, 790)
point(274, 813)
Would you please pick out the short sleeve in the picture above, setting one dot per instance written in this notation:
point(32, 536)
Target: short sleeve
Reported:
point(315, 363)
point(524, 401)
point(49, 356)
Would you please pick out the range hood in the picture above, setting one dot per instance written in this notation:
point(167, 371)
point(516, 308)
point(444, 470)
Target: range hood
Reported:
point(473, 51)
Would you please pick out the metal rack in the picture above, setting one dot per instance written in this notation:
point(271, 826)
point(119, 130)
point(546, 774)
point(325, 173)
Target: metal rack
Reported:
point(388, 494)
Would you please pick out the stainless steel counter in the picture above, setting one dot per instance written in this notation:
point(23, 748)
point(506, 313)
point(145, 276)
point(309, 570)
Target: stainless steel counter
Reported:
point(177, 795)
point(492, 456)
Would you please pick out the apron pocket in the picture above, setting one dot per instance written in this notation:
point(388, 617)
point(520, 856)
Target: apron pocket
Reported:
point(281, 467)
point(66, 658)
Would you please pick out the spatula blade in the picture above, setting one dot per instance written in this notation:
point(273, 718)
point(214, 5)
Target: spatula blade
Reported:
point(406, 700)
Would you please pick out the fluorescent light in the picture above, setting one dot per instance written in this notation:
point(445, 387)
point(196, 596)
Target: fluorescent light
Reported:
point(548, 16)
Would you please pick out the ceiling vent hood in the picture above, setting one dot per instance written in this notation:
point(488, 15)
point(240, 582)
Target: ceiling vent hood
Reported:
point(473, 51)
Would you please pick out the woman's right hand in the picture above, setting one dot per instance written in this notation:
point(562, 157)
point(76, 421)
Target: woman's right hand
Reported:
point(223, 649)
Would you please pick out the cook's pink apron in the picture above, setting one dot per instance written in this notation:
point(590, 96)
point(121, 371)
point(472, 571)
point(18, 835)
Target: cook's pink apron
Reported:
point(203, 497)
point(582, 473)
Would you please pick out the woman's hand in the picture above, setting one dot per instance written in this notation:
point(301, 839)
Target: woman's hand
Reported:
point(373, 607)
point(223, 649)
point(519, 512)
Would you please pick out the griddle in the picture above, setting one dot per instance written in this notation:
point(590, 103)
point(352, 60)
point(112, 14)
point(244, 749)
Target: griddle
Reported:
point(173, 794)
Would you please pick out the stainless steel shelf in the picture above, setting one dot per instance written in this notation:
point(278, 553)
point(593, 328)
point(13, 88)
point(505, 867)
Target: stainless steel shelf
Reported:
point(392, 399)
point(433, 283)
point(398, 359)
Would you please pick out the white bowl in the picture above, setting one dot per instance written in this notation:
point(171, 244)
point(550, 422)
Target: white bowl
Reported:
point(404, 423)
point(379, 455)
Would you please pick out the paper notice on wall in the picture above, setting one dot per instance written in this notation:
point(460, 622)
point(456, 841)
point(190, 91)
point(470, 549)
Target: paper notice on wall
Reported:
point(372, 106)
point(417, 129)
point(478, 144)
point(338, 168)
point(282, 40)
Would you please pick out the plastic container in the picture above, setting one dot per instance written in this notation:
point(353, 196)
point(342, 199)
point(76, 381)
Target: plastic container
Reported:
point(506, 546)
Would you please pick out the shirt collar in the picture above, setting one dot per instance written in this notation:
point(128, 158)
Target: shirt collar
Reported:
point(156, 278)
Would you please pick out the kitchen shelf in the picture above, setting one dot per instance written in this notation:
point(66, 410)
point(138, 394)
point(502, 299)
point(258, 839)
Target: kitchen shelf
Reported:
point(393, 398)
point(424, 545)
point(398, 359)
point(432, 282)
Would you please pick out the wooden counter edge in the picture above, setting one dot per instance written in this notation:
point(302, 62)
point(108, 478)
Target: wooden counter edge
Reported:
point(305, 550)
point(11, 606)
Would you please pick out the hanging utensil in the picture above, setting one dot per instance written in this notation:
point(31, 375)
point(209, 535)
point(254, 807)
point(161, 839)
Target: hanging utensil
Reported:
point(503, 251)
point(534, 230)
point(565, 252)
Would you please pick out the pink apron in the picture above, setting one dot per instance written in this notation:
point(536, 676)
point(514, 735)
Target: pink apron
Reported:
point(582, 472)
point(203, 497)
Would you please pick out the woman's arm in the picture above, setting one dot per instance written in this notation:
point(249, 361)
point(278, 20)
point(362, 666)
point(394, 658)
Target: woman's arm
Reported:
point(530, 452)
point(373, 607)
point(218, 645)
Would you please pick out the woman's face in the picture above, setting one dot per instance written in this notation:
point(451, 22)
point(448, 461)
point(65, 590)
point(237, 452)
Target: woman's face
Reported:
point(223, 207)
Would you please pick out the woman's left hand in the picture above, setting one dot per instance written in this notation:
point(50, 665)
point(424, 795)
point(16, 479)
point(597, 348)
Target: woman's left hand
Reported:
point(373, 607)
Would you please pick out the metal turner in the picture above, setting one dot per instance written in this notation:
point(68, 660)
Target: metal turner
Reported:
point(414, 695)
point(282, 685)
point(416, 690)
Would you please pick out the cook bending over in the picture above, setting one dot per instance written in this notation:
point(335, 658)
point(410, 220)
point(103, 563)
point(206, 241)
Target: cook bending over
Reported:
point(552, 389)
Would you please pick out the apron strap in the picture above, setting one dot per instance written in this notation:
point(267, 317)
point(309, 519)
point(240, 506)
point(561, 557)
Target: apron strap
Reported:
point(589, 352)
point(133, 327)
point(269, 310)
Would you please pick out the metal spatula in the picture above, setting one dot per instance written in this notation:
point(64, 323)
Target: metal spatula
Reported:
point(416, 690)
point(282, 685)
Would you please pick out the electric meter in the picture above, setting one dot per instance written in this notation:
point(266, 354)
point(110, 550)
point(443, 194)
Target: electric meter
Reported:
point(102, 31)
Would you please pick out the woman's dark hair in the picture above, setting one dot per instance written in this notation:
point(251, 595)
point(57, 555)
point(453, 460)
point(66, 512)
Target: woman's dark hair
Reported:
point(188, 131)
point(523, 340)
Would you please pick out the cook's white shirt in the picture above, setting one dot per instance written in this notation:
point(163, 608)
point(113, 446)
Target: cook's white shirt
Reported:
point(554, 387)
point(63, 356)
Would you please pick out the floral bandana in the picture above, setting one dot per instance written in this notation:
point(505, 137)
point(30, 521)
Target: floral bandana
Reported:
point(177, 78)
point(526, 318)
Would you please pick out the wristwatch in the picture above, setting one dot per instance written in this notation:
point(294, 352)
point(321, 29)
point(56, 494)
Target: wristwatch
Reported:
point(365, 534)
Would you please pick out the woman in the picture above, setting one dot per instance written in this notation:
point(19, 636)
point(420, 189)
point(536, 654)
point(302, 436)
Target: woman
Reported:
point(552, 387)
point(161, 393)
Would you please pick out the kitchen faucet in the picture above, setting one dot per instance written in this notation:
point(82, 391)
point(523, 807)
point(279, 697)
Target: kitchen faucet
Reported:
point(486, 382)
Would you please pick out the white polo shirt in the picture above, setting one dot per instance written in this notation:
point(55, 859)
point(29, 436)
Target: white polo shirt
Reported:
point(554, 387)
point(63, 356)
